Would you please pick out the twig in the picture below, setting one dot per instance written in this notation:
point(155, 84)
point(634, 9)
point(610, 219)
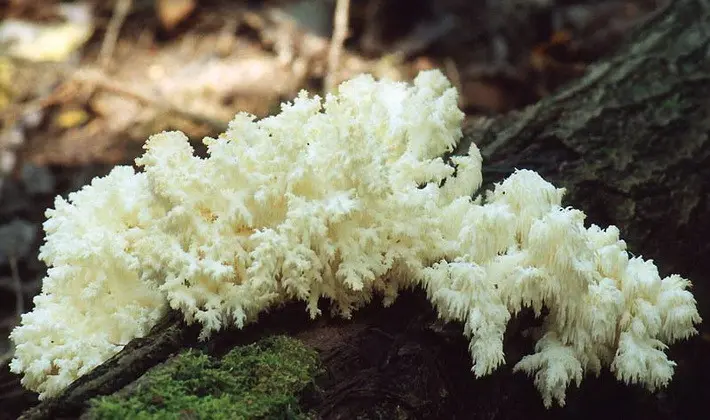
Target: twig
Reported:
point(19, 308)
point(340, 32)
point(93, 78)
point(453, 72)
point(120, 11)
point(17, 285)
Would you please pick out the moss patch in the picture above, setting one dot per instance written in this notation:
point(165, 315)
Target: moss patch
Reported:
point(261, 380)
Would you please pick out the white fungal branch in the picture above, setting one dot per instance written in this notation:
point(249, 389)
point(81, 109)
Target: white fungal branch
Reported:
point(343, 198)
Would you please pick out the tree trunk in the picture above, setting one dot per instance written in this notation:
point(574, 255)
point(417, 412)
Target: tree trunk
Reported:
point(629, 140)
point(630, 143)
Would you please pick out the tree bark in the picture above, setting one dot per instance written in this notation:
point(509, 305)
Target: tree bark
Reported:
point(629, 140)
point(630, 143)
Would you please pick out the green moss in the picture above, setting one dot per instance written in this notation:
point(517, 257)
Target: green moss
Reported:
point(261, 380)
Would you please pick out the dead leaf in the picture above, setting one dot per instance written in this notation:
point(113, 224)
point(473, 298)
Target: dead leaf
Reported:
point(43, 41)
point(71, 117)
point(172, 12)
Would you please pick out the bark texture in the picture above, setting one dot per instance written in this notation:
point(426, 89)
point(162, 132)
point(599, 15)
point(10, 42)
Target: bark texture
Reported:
point(630, 141)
